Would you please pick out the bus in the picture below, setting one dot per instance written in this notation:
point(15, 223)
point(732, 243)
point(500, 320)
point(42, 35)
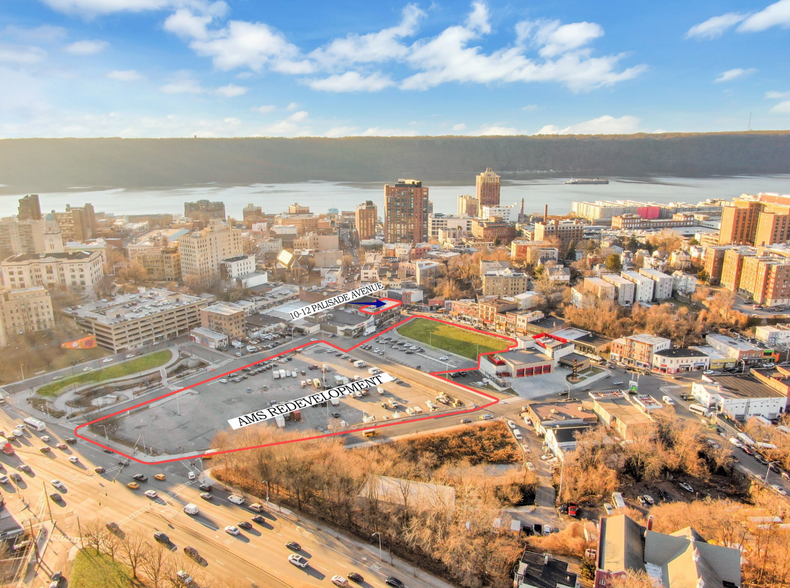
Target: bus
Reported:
point(369, 433)
point(698, 409)
point(35, 424)
point(617, 501)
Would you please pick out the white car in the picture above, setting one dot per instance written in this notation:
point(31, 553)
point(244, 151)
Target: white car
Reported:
point(4, 479)
point(236, 499)
point(339, 581)
point(129, 355)
point(87, 369)
point(779, 489)
point(151, 493)
point(107, 360)
point(297, 560)
point(443, 358)
point(191, 475)
point(58, 484)
point(46, 438)
point(668, 401)
point(74, 459)
point(223, 381)
point(231, 530)
point(511, 424)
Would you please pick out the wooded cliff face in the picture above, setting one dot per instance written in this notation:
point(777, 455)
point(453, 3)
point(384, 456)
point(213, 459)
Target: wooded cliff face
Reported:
point(55, 164)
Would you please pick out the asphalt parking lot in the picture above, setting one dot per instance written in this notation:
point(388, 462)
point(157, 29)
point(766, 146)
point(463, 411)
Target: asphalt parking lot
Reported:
point(424, 358)
point(188, 421)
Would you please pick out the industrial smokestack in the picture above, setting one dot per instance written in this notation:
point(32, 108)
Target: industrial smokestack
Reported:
point(545, 212)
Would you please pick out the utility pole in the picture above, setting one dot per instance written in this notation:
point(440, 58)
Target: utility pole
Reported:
point(35, 543)
point(46, 497)
point(79, 528)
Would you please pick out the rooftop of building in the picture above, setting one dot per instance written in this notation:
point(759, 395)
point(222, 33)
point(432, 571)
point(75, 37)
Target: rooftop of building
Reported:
point(543, 571)
point(562, 411)
point(738, 344)
point(523, 356)
point(132, 306)
point(225, 308)
point(647, 339)
point(549, 324)
point(745, 386)
point(568, 434)
point(64, 256)
point(205, 332)
point(680, 352)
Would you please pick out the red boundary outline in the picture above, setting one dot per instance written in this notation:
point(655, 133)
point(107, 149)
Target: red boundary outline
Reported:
point(377, 426)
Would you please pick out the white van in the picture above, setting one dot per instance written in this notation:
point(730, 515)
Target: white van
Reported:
point(191, 510)
point(517, 434)
point(236, 499)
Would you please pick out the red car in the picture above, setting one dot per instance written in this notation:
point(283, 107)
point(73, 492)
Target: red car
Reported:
point(573, 510)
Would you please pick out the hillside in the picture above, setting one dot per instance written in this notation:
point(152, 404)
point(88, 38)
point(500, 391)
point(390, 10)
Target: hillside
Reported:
point(55, 164)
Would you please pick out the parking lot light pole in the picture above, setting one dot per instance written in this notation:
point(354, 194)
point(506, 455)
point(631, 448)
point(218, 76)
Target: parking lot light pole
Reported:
point(768, 471)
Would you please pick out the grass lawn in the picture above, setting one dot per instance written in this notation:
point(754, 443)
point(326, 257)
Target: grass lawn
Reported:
point(98, 571)
point(118, 370)
point(456, 340)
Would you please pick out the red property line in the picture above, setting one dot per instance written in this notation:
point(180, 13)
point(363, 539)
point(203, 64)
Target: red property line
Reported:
point(494, 400)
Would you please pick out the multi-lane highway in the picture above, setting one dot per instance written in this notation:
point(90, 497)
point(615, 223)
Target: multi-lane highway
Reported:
point(258, 555)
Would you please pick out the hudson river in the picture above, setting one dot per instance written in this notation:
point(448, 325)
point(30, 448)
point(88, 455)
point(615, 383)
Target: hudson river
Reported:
point(321, 196)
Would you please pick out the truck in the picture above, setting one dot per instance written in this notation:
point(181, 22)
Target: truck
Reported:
point(373, 371)
point(392, 403)
point(765, 445)
point(430, 405)
point(283, 374)
point(297, 415)
point(8, 449)
point(746, 439)
point(317, 383)
point(360, 364)
point(280, 420)
point(191, 510)
point(340, 380)
point(443, 398)
point(380, 390)
point(334, 401)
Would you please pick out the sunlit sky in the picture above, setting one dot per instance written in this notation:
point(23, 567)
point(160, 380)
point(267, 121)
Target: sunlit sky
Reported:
point(174, 68)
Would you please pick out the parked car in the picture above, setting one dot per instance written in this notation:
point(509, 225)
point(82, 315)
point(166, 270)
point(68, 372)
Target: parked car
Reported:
point(293, 546)
point(245, 525)
point(232, 530)
point(339, 581)
point(99, 470)
point(192, 552)
point(686, 487)
point(59, 485)
point(162, 538)
point(393, 581)
point(355, 577)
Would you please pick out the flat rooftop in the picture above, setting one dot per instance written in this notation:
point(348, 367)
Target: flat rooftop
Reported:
point(746, 386)
point(133, 306)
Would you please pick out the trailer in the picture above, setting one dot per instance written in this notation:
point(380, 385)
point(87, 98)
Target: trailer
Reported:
point(276, 374)
point(283, 374)
point(746, 439)
point(280, 420)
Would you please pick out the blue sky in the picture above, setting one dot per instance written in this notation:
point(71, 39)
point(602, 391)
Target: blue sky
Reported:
point(175, 68)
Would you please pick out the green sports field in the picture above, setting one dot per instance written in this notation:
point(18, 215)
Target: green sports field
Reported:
point(456, 340)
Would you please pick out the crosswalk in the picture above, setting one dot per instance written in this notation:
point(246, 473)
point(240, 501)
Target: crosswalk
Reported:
point(64, 539)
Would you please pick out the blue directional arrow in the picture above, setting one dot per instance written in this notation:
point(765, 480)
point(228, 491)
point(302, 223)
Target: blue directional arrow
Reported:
point(376, 304)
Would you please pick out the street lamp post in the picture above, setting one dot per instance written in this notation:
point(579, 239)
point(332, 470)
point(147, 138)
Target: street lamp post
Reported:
point(379, 536)
point(105, 432)
point(768, 471)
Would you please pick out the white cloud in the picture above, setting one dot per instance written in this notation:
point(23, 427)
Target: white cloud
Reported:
point(562, 53)
point(478, 18)
point(553, 38)
point(188, 25)
point(494, 130)
point(93, 8)
point(21, 55)
point(352, 81)
point(458, 127)
point(372, 47)
point(775, 15)
point(732, 74)
point(232, 90)
point(714, 27)
point(265, 109)
point(384, 132)
point(777, 95)
point(289, 126)
point(42, 34)
point(603, 125)
point(341, 132)
point(449, 58)
point(183, 83)
point(87, 47)
point(781, 108)
point(292, 106)
point(125, 75)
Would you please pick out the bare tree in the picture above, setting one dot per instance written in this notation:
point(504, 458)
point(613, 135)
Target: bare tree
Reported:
point(134, 550)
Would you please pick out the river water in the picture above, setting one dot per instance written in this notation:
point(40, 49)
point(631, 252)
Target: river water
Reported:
point(321, 196)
